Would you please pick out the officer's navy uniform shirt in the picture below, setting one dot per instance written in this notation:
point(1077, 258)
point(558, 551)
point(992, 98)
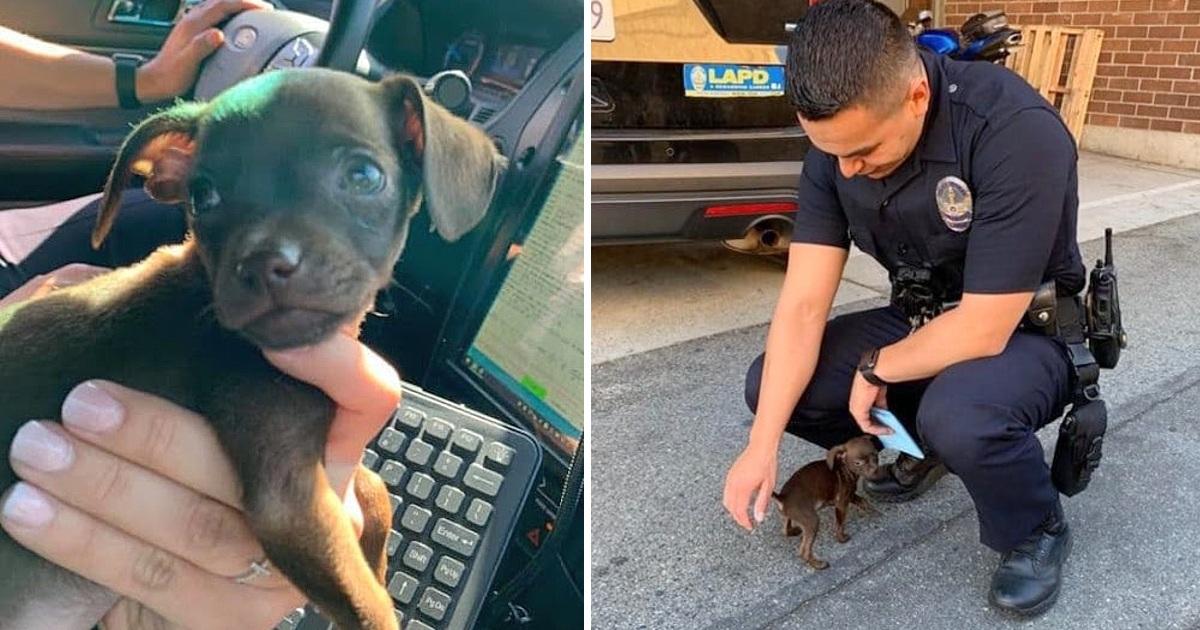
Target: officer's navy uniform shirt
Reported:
point(989, 128)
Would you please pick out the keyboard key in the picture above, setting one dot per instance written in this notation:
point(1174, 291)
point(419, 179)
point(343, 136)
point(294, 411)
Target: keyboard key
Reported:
point(410, 418)
point(420, 486)
point(454, 537)
point(392, 472)
point(447, 464)
point(416, 518)
point(449, 571)
point(397, 503)
point(434, 603)
point(417, 625)
point(438, 429)
point(419, 452)
point(479, 512)
point(417, 556)
point(483, 480)
point(467, 441)
point(394, 540)
point(449, 499)
point(402, 587)
point(391, 440)
point(370, 459)
point(399, 619)
point(498, 454)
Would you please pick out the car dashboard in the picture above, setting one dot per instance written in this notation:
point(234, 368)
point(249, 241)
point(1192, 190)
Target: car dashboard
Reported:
point(493, 44)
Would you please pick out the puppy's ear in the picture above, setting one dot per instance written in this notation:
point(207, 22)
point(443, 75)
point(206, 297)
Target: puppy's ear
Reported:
point(834, 454)
point(458, 163)
point(160, 149)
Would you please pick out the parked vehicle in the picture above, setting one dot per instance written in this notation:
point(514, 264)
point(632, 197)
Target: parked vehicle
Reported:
point(675, 158)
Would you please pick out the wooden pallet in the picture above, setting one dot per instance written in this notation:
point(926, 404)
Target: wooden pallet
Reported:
point(1061, 63)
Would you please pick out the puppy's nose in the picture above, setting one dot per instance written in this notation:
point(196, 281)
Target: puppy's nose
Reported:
point(270, 267)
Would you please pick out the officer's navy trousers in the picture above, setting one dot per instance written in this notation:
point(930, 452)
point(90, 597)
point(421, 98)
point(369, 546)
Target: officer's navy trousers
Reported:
point(38, 240)
point(978, 416)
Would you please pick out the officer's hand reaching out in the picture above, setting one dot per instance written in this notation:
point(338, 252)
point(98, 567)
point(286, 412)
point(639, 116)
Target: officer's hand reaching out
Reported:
point(753, 472)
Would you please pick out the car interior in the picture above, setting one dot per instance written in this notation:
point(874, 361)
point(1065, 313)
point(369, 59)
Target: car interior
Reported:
point(486, 332)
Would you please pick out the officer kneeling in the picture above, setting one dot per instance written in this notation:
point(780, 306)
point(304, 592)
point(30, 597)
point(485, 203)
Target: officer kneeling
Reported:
point(960, 179)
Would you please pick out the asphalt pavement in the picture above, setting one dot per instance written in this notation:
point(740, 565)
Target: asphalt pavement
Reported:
point(667, 420)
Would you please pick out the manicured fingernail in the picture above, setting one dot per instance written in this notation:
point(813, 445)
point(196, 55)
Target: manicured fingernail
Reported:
point(27, 506)
point(759, 516)
point(38, 446)
point(90, 408)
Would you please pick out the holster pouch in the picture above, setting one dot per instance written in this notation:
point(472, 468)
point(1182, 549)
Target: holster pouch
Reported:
point(1081, 433)
point(1042, 314)
point(1079, 448)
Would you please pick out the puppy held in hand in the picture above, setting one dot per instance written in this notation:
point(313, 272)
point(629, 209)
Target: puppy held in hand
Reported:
point(299, 186)
point(831, 481)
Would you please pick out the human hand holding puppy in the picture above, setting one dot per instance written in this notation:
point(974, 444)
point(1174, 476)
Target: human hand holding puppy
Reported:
point(164, 531)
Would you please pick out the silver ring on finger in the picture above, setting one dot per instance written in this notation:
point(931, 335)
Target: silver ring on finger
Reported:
point(258, 569)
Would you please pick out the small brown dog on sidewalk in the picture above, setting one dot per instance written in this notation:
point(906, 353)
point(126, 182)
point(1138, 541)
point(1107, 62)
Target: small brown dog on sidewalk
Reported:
point(833, 481)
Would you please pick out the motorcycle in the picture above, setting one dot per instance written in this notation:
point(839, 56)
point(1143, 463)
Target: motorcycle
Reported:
point(982, 37)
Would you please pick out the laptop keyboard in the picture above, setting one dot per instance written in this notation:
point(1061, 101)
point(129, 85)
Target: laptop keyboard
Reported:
point(458, 480)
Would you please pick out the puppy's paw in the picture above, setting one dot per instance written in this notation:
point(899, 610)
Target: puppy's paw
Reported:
point(817, 563)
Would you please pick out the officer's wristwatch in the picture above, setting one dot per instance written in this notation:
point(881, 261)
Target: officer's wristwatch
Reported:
point(866, 367)
point(127, 66)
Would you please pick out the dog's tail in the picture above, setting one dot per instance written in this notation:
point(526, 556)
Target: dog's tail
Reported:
point(181, 119)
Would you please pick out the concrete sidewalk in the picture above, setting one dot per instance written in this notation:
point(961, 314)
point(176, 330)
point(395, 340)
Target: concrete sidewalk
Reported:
point(668, 421)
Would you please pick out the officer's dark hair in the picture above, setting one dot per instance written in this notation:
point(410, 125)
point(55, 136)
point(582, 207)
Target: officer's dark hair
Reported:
point(846, 53)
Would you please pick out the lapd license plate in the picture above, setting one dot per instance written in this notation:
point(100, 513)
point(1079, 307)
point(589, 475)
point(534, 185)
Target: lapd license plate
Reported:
point(728, 80)
point(601, 14)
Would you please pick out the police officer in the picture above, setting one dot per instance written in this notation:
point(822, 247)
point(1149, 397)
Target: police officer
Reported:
point(961, 181)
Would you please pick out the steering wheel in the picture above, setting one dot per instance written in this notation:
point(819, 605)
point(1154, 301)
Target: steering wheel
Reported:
point(264, 40)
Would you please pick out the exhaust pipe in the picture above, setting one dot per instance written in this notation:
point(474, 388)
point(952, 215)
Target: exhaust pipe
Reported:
point(770, 235)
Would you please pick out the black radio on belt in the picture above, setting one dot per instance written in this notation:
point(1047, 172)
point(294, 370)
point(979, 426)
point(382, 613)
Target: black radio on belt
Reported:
point(1081, 434)
point(1106, 335)
point(916, 293)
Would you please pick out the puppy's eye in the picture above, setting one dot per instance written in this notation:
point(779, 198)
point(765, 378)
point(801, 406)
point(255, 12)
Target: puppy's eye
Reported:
point(204, 196)
point(362, 176)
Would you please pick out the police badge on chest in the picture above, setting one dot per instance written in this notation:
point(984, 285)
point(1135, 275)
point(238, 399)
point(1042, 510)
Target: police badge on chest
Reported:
point(954, 203)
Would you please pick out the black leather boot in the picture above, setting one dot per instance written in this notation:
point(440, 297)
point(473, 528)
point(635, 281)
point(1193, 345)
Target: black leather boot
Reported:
point(905, 479)
point(1028, 578)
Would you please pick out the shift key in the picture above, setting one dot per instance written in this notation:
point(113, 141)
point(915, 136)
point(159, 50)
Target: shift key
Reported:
point(455, 537)
point(483, 480)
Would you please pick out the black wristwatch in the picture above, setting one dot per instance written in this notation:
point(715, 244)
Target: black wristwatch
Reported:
point(127, 66)
point(866, 367)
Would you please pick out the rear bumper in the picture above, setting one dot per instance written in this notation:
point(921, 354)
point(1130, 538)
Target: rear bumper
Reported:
point(667, 202)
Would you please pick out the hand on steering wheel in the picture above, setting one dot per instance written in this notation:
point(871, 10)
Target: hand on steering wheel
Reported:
point(262, 40)
point(173, 70)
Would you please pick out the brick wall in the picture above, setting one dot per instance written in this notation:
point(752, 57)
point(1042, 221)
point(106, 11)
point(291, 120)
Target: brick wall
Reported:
point(1149, 72)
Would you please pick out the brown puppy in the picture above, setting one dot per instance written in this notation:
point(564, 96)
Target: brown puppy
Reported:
point(832, 481)
point(299, 186)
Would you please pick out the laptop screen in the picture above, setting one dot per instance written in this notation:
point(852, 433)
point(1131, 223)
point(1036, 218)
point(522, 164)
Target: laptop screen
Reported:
point(529, 348)
point(513, 346)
